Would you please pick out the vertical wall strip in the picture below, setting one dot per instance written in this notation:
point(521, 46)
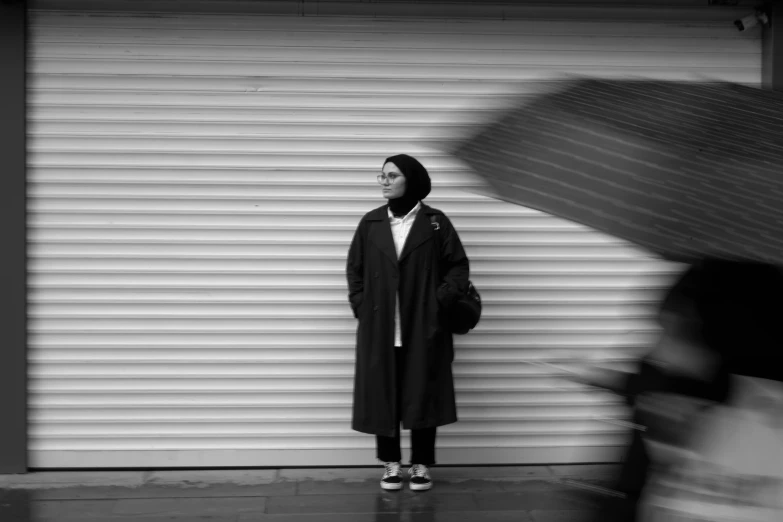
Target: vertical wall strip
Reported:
point(772, 65)
point(13, 313)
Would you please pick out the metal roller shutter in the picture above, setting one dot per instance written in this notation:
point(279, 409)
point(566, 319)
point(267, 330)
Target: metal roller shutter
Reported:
point(195, 180)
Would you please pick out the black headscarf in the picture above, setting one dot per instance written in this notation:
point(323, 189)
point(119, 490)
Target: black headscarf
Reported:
point(417, 184)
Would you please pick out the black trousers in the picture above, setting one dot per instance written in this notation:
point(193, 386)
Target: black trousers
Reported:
point(422, 441)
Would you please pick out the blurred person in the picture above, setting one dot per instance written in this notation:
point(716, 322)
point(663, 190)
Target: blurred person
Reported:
point(730, 466)
point(401, 281)
point(684, 364)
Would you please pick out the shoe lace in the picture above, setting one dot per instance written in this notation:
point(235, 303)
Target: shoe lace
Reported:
point(419, 470)
point(392, 468)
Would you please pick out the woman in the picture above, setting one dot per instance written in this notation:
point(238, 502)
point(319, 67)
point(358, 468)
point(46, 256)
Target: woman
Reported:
point(401, 281)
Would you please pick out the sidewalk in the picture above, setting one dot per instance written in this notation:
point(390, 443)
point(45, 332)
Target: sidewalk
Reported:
point(514, 493)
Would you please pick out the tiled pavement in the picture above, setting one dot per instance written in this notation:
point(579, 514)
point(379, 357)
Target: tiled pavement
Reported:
point(475, 494)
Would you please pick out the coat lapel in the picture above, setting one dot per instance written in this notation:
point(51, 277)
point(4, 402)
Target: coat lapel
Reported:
point(421, 232)
point(383, 235)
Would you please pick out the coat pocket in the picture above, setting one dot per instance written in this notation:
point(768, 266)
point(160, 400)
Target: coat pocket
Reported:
point(356, 303)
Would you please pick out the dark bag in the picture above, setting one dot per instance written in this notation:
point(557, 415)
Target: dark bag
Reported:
point(464, 314)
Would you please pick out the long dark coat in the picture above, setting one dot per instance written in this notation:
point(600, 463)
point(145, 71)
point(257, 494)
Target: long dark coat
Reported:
point(427, 281)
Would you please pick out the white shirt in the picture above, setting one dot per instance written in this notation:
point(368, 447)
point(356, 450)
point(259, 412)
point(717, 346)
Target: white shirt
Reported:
point(400, 228)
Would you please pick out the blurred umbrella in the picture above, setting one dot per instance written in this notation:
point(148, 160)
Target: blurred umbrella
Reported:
point(687, 170)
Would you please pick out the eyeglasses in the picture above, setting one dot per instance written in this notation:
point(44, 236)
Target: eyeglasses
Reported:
point(391, 178)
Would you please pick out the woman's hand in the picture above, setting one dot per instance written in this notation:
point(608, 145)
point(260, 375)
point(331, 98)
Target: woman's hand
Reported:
point(447, 296)
point(356, 301)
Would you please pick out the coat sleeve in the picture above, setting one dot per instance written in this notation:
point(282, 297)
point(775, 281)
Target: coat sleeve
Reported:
point(355, 269)
point(454, 263)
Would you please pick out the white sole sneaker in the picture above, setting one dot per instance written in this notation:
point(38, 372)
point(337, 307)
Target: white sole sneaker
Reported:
point(392, 478)
point(419, 478)
point(391, 486)
point(421, 487)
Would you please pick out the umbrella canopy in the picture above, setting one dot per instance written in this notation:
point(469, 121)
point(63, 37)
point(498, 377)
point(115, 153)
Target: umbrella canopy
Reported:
point(687, 170)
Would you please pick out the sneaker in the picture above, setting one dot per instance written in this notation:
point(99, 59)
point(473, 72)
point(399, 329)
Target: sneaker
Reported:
point(420, 477)
point(392, 477)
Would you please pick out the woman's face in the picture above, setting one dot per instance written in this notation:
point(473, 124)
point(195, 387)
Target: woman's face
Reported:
point(394, 186)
